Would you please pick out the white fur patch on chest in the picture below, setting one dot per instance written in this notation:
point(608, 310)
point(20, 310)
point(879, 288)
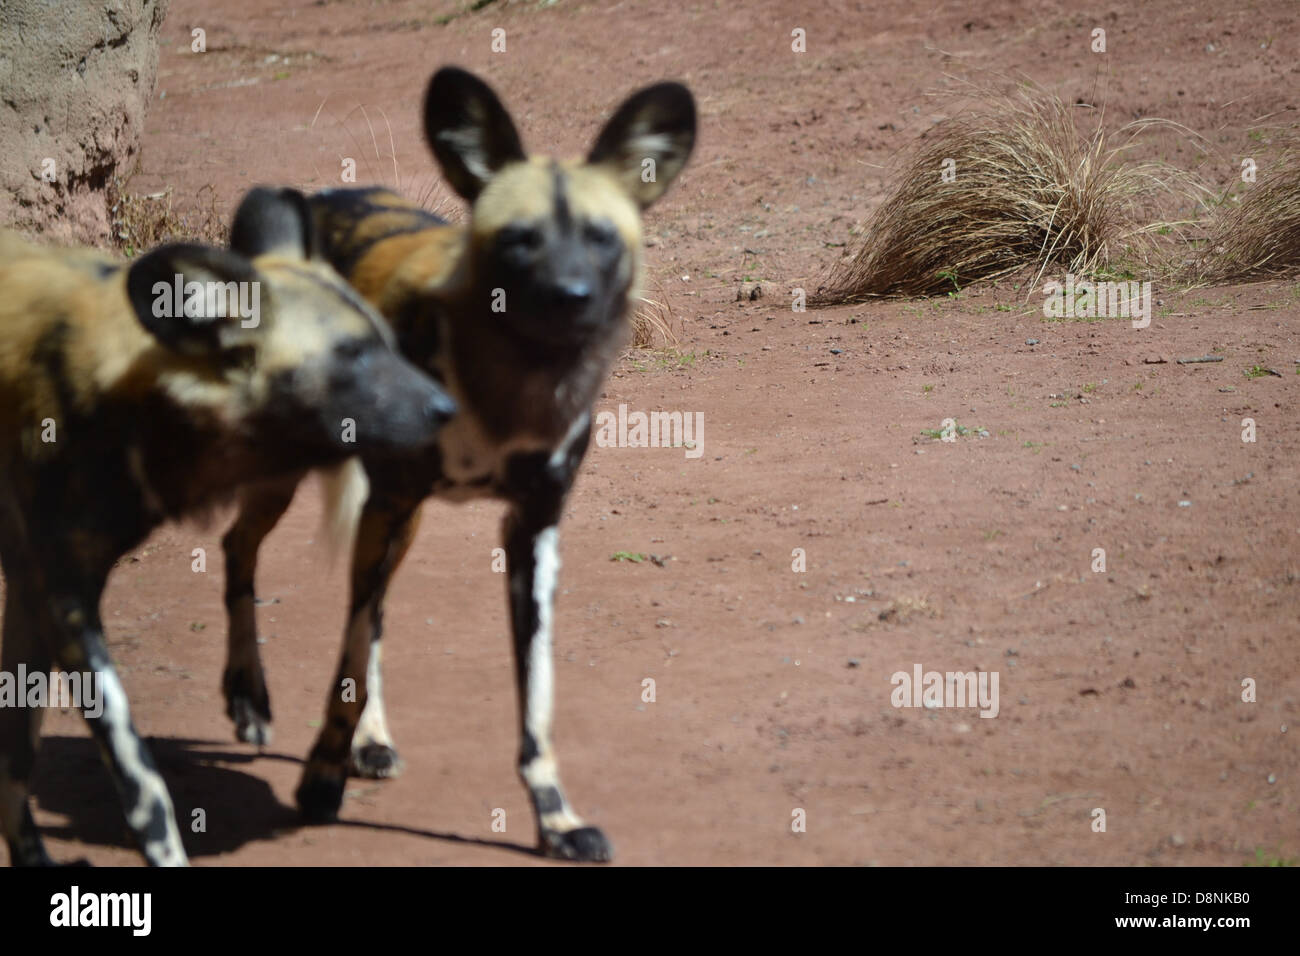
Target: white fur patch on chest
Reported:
point(473, 462)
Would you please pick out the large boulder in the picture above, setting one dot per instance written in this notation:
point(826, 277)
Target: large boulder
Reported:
point(76, 77)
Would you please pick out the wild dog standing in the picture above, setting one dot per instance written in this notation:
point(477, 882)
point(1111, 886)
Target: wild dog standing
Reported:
point(520, 314)
point(122, 406)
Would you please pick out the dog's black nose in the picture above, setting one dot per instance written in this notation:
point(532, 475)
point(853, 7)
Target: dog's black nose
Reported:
point(441, 406)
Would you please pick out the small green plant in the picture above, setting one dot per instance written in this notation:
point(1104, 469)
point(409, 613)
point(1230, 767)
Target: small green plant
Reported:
point(1090, 388)
point(1119, 272)
point(1272, 859)
point(927, 389)
point(955, 292)
point(636, 557)
point(1257, 371)
point(674, 360)
point(957, 429)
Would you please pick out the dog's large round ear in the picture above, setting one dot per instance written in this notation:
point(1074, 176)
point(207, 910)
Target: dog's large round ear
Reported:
point(274, 220)
point(469, 131)
point(648, 140)
point(195, 299)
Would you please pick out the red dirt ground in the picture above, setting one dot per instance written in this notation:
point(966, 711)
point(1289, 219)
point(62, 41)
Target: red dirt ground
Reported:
point(1120, 690)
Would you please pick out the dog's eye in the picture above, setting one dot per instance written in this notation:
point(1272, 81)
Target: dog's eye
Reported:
point(600, 234)
point(351, 349)
point(519, 237)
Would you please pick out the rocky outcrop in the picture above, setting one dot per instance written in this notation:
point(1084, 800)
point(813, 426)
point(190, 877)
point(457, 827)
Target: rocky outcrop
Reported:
point(76, 77)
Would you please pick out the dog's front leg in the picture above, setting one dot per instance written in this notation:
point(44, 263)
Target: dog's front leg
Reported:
point(540, 485)
point(78, 638)
point(387, 527)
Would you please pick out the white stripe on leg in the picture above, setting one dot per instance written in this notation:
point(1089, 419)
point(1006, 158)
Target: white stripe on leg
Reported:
point(159, 838)
point(542, 773)
point(372, 728)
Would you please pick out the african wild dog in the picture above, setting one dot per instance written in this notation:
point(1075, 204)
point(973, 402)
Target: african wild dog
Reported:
point(123, 405)
point(555, 247)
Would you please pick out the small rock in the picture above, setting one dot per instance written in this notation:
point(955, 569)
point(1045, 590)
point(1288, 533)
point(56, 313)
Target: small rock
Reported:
point(1177, 839)
point(1031, 341)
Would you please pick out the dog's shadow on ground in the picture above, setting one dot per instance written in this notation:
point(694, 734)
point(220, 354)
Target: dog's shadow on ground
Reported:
point(237, 807)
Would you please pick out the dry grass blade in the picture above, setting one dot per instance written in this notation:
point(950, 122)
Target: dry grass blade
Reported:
point(1026, 189)
point(140, 223)
point(1258, 237)
point(425, 189)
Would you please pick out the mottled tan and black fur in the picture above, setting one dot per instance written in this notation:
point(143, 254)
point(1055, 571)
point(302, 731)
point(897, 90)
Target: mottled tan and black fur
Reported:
point(119, 412)
point(519, 313)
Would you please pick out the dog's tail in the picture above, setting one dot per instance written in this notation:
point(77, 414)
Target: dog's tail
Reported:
point(345, 489)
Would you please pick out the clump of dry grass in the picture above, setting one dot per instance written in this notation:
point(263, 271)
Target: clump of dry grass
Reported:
point(1258, 237)
point(652, 326)
point(1028, 189)
point(140, 222)
point(653, 323)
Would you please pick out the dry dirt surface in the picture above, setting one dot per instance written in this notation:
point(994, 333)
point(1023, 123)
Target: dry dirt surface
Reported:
point(1120, 690)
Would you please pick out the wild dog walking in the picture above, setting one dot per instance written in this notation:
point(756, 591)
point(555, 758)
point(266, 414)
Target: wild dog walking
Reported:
point(519, 313)
point(130, 395)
